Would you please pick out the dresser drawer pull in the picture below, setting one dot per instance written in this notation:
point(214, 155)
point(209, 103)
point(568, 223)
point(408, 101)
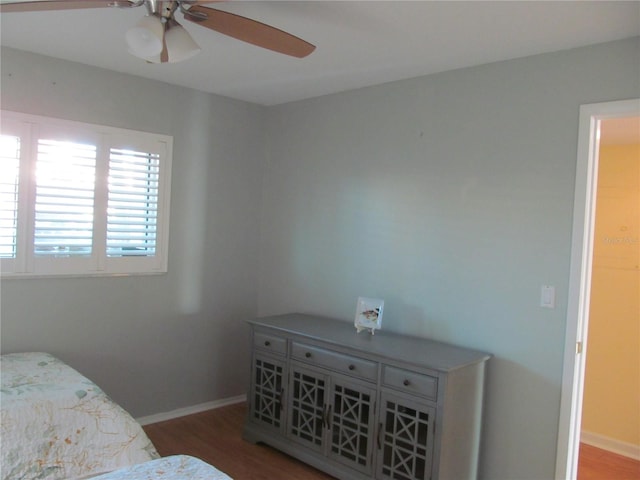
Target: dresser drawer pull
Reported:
point(271, 343)
point(308, 354)
point(406, 382)
point(352, 367)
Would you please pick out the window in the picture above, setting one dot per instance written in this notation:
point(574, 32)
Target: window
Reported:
point(79, 199)
point(9, 170)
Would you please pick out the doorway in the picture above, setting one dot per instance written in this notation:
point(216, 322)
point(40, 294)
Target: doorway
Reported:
point(569, 428)
point(610, 404)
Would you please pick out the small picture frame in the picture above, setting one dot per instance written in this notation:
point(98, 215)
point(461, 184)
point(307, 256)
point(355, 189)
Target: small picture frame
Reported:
point(369, 314)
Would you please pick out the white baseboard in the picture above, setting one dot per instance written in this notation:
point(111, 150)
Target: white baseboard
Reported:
point(181, 412)
point(611, 445)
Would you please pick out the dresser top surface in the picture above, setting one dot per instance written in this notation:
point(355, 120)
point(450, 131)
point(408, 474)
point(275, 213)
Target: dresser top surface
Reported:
point(413, 350)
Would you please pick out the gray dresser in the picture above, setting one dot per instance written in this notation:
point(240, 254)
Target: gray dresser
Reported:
point(359, 406)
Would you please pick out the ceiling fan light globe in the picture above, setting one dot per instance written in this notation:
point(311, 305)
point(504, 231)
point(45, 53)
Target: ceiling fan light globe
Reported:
point(180, 45)
point(145, 39)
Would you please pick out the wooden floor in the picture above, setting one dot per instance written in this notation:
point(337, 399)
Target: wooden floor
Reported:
point(215, 436)
point(597, 464)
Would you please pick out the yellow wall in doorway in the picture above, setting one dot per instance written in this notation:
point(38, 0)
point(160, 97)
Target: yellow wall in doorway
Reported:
point(611, 405)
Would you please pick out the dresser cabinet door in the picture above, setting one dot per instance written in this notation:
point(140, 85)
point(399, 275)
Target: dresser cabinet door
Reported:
point(405, 438)
point(352, 424)
point(267, 391)
point(308, 409)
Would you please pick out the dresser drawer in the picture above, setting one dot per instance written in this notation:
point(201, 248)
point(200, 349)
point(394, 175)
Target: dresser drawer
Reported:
point(271, 343)
point(410, 382)
point(347, 364)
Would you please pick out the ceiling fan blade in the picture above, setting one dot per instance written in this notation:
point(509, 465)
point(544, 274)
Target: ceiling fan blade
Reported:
point(41, 6)
point(250, 31)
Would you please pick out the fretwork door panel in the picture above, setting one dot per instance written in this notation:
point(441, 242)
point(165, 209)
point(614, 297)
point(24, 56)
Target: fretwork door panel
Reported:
point(352, 425)
point(405, 439)
point(268, 385)
point(308, 407)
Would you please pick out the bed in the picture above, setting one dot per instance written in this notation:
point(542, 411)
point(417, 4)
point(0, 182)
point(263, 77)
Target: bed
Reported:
point(58, 424)
point(176, 467)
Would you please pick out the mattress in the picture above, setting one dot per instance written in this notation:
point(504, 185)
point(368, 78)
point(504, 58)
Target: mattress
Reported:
point(176, 467)
point(58, 424)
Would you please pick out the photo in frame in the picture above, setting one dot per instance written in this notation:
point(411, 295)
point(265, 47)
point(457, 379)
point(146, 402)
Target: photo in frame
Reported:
point(369, 314)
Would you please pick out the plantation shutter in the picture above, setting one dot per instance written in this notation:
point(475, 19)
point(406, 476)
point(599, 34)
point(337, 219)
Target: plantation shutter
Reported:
point(64, 201)
point(9, 182)
point(82, 200)
point(132, 209)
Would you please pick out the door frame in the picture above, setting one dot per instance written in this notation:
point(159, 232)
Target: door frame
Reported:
point(579, 293)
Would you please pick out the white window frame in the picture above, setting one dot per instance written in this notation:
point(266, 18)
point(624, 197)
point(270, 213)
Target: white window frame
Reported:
point(32, 127)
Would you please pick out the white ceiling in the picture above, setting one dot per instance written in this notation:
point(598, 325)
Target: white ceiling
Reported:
point(358, 43)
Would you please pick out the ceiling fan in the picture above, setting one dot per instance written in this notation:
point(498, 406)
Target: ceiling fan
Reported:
point(159, 38)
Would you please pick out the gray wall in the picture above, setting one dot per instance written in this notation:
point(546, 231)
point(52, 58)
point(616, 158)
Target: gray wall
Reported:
point(154, 343)
point(450, 197)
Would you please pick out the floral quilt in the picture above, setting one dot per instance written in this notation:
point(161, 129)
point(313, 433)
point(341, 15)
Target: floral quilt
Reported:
point(57, 424)
point(176, 467)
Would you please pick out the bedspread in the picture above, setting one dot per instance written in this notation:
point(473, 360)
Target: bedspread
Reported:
point(57, 424)
point(176, 467)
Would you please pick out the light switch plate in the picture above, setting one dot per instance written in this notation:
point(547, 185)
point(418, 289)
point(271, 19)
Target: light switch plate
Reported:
point(548, 296)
